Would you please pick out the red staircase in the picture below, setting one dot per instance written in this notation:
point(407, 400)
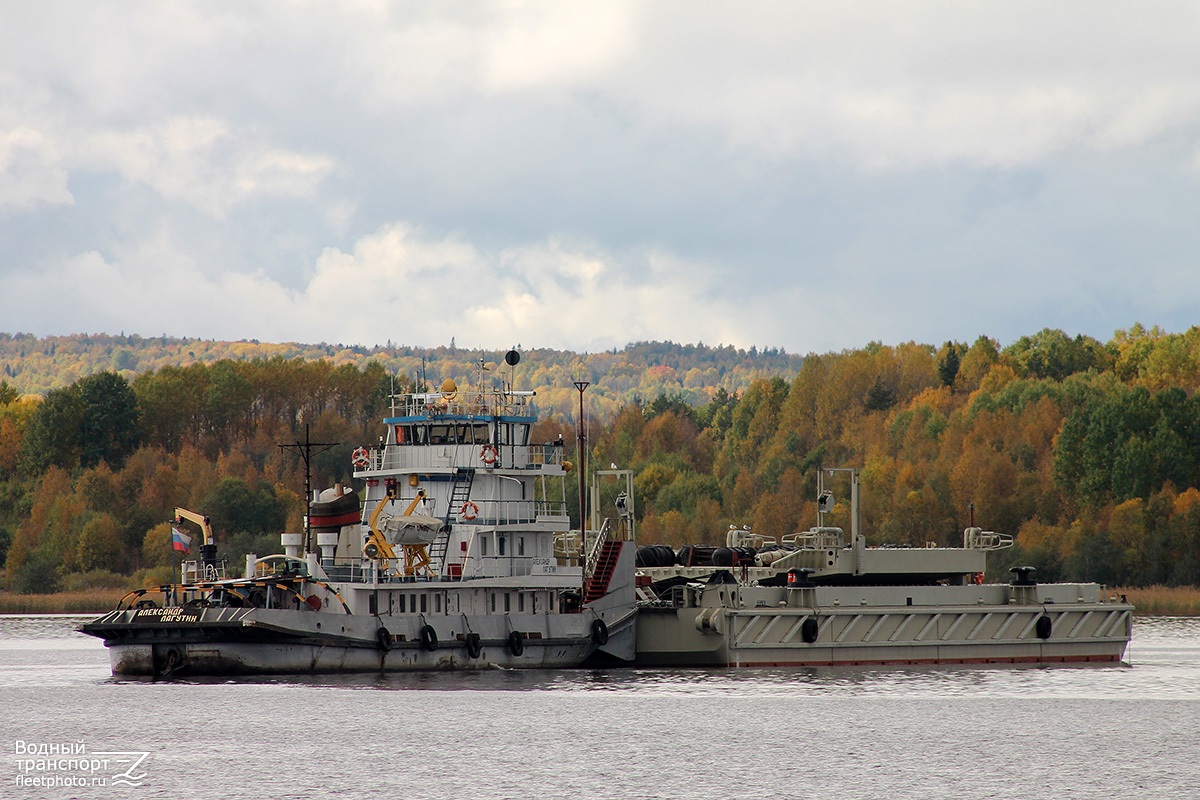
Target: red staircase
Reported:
point(606, 562)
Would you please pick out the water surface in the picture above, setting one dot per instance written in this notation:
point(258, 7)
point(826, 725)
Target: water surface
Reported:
point(1128, 731)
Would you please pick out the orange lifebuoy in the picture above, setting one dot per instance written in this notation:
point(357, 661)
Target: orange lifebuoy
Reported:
point(487, 454)
point(361, 457)
point(469, 510)
point(978, 579)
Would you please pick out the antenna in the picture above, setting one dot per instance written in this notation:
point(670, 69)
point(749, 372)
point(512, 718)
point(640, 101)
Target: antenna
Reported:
point(480, 384)
point(512, 358)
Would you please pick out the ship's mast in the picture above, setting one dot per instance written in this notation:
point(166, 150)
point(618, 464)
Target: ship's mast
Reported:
point(825, 499)
point(581, 385)
point(305, 450)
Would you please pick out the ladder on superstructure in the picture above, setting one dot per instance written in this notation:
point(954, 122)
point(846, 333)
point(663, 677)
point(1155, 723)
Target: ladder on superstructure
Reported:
point(460, 493)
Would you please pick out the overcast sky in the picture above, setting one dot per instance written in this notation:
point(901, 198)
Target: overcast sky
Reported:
point(812, 176)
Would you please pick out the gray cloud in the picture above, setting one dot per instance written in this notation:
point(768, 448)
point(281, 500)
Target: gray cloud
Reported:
point(803, 175)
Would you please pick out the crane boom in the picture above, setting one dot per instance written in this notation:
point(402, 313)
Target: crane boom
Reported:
point(201, 520)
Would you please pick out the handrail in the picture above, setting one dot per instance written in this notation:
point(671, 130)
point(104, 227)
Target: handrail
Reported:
point(203, 572)
point(817, 539)
point(566, 545)
point(463, 403)
point(509, 512)
point(461, 454)
point(744, 537)
point(595, 544)
point(979, 539)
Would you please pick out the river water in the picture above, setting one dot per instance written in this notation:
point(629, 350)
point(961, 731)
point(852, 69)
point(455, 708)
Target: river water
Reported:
point(70, 729)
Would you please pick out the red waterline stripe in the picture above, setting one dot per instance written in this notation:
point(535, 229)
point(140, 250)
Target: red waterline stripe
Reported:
point(930, 661)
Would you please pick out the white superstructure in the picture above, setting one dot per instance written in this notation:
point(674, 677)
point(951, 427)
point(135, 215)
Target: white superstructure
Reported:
point(460, 556)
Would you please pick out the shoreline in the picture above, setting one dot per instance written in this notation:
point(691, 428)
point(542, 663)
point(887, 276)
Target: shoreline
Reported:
point(89, 601)
point(1169, 601)
point(1182, 601)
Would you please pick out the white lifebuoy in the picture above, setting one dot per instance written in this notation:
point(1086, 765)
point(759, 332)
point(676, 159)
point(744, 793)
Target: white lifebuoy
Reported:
point(361, 457)
point(469, 510)
point(487, 454)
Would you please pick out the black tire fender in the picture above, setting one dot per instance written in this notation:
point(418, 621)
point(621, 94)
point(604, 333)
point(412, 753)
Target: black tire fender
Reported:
point(810, 629)
point(516, 643)
point(599, 632)
point(429, 639)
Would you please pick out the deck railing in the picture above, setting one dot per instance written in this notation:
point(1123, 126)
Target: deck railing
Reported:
point(442, 456)
point(817, 539)
point(465, 404)
point(196, 572)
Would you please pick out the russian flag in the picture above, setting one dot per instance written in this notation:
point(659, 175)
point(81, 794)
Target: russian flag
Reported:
point(181, 541)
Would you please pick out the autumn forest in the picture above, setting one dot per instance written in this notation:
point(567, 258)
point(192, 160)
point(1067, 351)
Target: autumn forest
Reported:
point(1087, 451)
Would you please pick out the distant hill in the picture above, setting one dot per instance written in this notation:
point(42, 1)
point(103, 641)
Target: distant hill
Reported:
point(639, 371)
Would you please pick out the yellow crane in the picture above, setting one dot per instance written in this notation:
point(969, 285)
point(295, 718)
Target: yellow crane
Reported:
point(208, 550)
point(205, 525)
point(416, 557)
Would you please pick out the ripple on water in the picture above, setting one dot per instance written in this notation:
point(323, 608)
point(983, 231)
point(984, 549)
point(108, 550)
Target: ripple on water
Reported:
point(962, 732)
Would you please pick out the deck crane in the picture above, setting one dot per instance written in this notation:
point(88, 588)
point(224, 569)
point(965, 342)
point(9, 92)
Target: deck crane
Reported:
point(208, 550)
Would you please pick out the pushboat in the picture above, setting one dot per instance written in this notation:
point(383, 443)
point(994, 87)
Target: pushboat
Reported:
point(460, 555)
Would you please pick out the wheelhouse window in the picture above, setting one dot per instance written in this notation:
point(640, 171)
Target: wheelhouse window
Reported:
point(512, 433)
point(520, 434)
point(412, 434)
